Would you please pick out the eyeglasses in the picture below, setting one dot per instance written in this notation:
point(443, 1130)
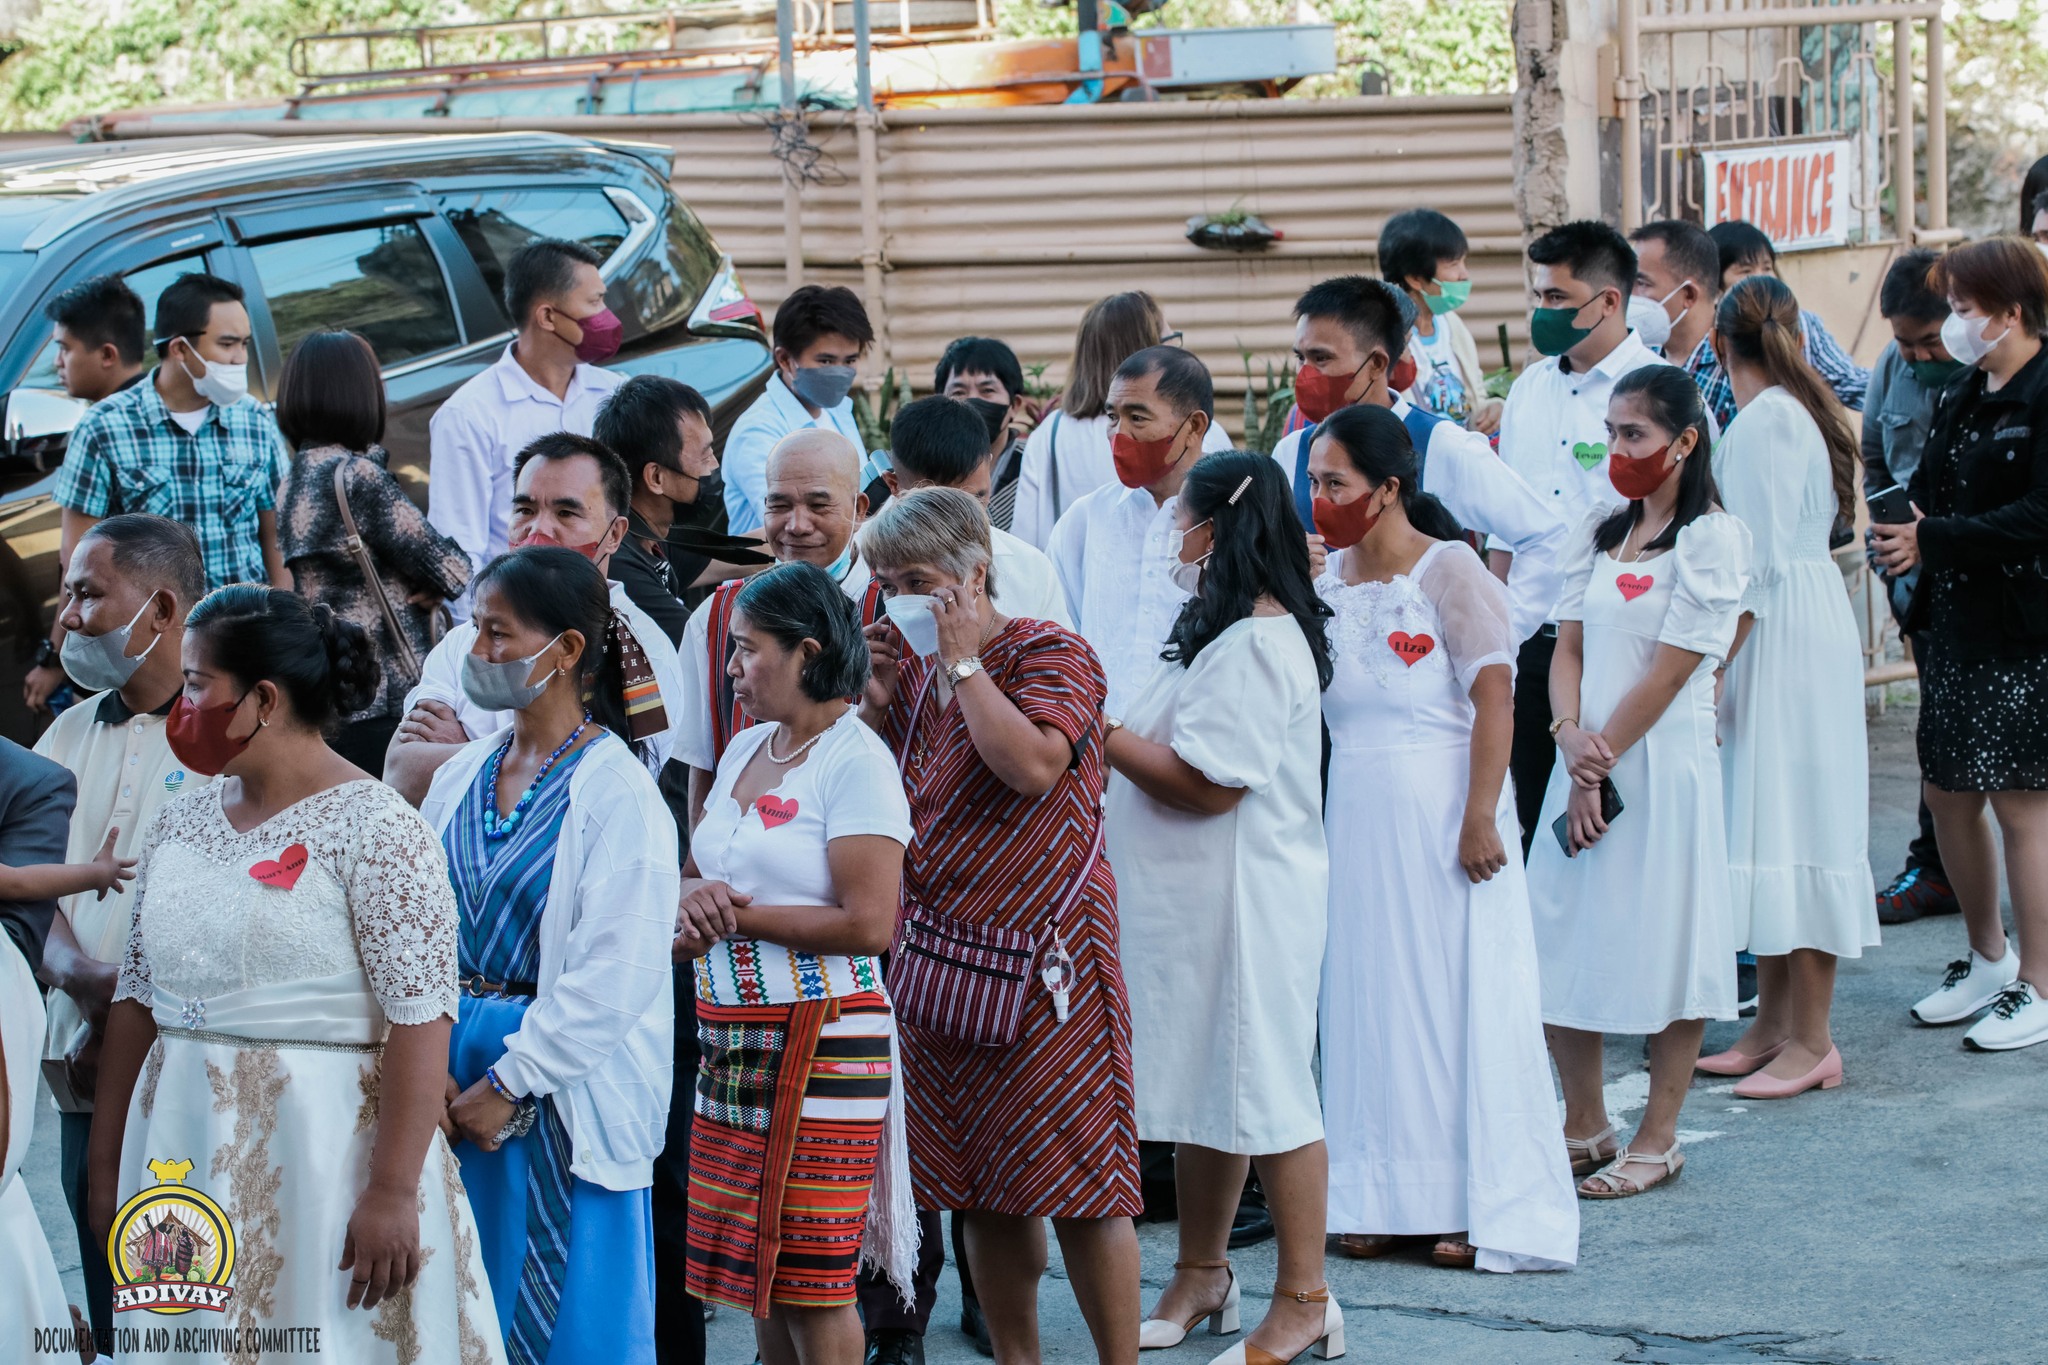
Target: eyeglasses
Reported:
point(1170, 339)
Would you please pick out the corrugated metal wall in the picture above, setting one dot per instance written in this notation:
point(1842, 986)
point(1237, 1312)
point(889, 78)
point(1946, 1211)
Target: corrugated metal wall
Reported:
point(1009, 222)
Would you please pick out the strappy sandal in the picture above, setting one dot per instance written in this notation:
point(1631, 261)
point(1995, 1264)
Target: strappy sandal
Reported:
point(1158, 1334)
point(1615, 1186)
point(1328, 1346)
point(1365, 1246)
point(1585, 1152)
point(1454, 1253)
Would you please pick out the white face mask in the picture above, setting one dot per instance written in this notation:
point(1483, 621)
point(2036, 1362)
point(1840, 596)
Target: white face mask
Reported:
point(1648, 320)
point(1964, 338)
point(911, 613)
point(221, 385)
point(1186, 576)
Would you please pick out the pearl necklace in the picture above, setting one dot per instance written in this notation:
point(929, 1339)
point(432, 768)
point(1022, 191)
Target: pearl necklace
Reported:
point(498, 826)
point(801, 749)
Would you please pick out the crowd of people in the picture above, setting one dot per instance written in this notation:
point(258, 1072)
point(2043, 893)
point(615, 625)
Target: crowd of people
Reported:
point(541, 919)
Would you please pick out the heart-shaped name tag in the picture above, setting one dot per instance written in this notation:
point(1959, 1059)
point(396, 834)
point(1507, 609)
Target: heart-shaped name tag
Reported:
point(1410, 649)
point(1589, 453)
point(775, 811)
point(1632, 587)
point(283, 871)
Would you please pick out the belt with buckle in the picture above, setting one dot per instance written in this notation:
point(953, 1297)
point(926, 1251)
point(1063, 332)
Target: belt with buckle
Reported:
point(476, 985)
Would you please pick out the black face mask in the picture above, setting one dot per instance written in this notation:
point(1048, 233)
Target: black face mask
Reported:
point(710, 488)
point(995, 416)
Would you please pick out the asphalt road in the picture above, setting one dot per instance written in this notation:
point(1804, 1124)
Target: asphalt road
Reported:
point(1898, 1218)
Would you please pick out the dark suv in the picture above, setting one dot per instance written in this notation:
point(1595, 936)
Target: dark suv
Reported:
point(403, 239)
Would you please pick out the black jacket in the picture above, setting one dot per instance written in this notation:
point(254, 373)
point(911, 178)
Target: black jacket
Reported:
point(1983, 483)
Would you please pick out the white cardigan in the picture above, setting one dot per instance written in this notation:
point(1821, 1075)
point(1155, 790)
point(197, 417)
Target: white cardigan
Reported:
point(600, 1035)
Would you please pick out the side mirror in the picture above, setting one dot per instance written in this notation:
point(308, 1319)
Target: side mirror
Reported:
point(36, 427)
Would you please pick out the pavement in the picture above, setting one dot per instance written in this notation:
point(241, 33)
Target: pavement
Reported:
point(1896, 1219)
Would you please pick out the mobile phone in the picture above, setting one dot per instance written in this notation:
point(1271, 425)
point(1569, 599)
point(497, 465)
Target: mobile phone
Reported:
point(1610, 806)
point(1891, 506)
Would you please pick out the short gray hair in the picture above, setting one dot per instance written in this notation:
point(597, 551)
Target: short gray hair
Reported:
point(943, 527)
point(154, 553)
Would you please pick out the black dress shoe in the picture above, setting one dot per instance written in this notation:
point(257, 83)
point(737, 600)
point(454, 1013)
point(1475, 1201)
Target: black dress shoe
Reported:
point(1252, 1225)
point(893, 1346)
point(974, 1326)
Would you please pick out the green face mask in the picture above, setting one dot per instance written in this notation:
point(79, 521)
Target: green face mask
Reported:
point(1935, 374)
point(1553, 331)
point(1452, 296)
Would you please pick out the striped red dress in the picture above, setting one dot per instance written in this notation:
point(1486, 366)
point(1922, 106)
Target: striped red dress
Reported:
point(1047, 1125)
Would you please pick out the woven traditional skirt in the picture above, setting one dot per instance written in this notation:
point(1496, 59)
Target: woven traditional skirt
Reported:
point(790, 1105)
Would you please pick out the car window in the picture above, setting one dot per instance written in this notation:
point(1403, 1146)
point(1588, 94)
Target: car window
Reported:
point(494, 224)
point(148, 283)
point(382, 281)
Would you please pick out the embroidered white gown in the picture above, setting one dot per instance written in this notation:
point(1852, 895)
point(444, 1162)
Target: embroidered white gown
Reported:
point(31, 1295)
point(271, 1006)
point(1795, 764)
point(1637, 932)
point(1436, 1086)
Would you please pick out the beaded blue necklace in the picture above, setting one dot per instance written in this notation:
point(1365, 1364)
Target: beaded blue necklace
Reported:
point(501, 826)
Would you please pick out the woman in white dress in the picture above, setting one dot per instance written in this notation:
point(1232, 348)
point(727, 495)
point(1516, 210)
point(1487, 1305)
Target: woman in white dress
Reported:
point(1633, 931)
point(1795, 764)
point(285, 1005)
point(31, 1296)
point(1216, 834)
point(1441, 1118)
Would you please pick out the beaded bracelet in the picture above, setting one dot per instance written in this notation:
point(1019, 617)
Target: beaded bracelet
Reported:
point(491, 1075)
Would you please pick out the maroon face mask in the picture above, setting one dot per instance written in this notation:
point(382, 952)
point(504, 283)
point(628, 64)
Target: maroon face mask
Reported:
point(602, 332)
point(199, 738)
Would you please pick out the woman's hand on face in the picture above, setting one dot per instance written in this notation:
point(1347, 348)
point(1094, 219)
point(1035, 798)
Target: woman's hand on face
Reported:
point(381, 1250)
point(885, 663)
point(959, 624)
point(1582, 816)
point(1585, 753)
point(480, 1113)
point(1480, 851)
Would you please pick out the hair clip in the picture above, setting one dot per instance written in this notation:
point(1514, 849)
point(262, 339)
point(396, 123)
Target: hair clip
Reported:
point(1240, 490)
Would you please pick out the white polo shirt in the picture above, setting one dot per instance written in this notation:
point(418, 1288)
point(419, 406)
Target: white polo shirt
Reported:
point(441, 679)
point(1111, 553)
point(1026, 584)
point(1553, 431)
point(477, 432)
point(775, 414)
point(126, 772)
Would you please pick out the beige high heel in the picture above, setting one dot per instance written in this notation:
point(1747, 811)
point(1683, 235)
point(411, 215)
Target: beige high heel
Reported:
point(1328, 1346)
point(1157, 1334)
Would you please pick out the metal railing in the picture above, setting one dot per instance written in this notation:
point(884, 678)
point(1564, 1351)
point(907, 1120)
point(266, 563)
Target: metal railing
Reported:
point(1700, 75)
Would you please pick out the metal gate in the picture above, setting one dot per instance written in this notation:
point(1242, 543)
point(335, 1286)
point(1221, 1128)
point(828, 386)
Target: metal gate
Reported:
point(1701, 82)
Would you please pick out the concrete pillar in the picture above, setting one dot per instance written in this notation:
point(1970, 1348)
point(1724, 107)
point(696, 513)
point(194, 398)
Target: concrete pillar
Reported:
point(1566, 163)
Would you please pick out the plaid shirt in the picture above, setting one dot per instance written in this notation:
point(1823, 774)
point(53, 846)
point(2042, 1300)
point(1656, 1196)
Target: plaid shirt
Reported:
point(1848, 379)
point(128, 455)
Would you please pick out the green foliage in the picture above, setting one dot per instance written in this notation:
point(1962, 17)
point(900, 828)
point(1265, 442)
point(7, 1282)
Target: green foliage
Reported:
point(1266, 405)
point(1998, 108)
point(873, 415)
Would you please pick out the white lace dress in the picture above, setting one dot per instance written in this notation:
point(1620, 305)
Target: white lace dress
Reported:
point(272, 1001)
point(31, 1295)
point(1436, 1086)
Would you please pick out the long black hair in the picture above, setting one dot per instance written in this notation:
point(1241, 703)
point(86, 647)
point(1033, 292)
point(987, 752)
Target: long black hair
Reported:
point(799, 601)
point(1673, 402)
point(324, 665)
point(551, 589)
point(1377, 444)
point(1260, 552)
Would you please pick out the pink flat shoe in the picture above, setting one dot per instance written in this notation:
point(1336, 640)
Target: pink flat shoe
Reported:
point(1826, 1076)
point(1733, 1063)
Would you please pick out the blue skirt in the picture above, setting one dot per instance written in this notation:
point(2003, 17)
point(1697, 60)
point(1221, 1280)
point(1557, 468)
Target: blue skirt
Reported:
point(607, 1311)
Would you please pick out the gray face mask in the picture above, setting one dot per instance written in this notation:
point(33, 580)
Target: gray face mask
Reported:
point(504, 687)
point(100, 663)
point(823, 386)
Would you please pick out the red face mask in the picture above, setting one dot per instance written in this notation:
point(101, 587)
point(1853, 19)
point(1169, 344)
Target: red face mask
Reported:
point(199, 736)
point(1638, 477)
point(589, 551)
point(601, 333)
point(1140, 464)
point(1318, 394)
point(1343, 524)
point(1402, 378)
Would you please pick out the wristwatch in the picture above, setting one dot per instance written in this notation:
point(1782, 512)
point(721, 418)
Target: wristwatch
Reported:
point(1110, 725)
point(960, 672)
point(48, 656)
point(1560, 723)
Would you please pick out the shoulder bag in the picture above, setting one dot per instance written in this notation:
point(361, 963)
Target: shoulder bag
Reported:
point(968, 981)
point(352, 541)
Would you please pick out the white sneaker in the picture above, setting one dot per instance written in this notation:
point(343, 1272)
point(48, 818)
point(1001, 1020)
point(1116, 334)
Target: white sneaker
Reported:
point(1972, 983)
point(2018, 1018)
